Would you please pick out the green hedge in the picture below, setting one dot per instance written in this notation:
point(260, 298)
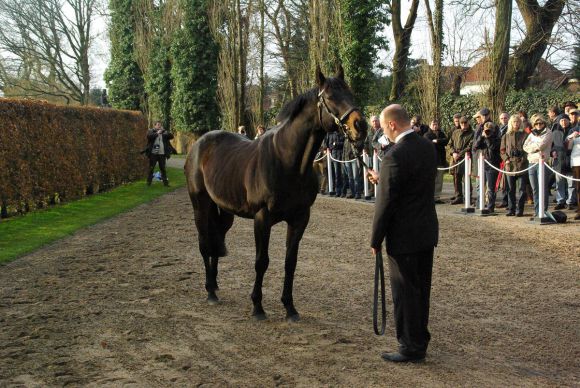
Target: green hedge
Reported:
point(530, 100)
point(51, 153)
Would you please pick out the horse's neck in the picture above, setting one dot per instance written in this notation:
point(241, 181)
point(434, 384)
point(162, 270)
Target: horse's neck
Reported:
point(298, 141)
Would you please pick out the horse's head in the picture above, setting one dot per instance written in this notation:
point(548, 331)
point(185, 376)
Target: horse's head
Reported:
point(337, 110)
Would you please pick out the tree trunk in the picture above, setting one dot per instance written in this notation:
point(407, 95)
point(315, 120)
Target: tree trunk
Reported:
point(436, 31)
point(402, 45)
point(539, 24)
point(262, 50)
point(500, 56)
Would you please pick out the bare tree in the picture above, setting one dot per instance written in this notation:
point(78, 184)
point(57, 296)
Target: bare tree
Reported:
point(48, 44)
point(539, 23)
point(402, 35)
point(500, 56)
point(435, 23)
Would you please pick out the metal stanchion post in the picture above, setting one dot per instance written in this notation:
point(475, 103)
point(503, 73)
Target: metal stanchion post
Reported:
point(376, 167)
point(329, 164)
point(481, 174)
point(541, 184)
point(467, 185)
point(365, 179)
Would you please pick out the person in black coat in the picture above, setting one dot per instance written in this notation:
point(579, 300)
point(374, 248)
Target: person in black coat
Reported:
point(406, 220)
point(158, 150)
point(489, 143)
point(439, 140)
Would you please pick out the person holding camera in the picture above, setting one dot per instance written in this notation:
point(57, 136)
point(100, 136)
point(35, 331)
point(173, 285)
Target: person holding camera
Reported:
point(514, 157)
point(489, 144)
point(158, 150)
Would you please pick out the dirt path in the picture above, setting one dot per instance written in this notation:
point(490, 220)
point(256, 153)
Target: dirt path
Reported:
point(115, 305)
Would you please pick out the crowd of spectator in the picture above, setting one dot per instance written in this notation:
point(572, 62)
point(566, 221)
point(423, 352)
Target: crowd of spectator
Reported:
point(514, 144)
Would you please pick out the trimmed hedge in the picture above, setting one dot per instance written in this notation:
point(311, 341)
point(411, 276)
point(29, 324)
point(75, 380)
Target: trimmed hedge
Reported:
point(51, 153)
point(530, 100)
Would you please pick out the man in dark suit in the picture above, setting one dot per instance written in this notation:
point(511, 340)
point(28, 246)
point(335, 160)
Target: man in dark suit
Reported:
point(405, 218)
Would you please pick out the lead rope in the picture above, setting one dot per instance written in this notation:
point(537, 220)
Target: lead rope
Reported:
point(379, 274)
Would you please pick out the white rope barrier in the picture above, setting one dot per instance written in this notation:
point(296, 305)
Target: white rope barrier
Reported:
point(563, 176)
point(341, 161)
point(509, 172)
point(319, 159)
point(449, 168)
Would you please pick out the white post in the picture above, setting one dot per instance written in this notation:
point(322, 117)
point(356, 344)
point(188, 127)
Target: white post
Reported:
point(541, 183)
point(329, 166)
point(365, 172)
point(467, 181)
point(481, 174)
point(376, 167)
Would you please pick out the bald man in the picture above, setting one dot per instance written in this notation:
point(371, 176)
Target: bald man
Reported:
point(406, 220)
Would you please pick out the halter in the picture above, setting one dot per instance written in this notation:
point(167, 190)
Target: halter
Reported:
point(340, 122)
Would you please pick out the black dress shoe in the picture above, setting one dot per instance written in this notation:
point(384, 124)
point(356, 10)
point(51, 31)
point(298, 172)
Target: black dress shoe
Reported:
point(398, 357)
point(439, 202)
point(457, 201)
point(560, 206)
point(518, 214)
point(510, 214)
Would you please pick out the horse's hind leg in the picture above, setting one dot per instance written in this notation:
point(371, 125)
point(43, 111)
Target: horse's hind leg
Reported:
point(294, 234)
point(262, 228)
point(202, 209)
point(223, 222)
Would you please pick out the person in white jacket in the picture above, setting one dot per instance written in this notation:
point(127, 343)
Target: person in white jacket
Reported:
point(573, 144)
point(538, 146)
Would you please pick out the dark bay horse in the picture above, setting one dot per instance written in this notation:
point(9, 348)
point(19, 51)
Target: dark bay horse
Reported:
point(270, 179)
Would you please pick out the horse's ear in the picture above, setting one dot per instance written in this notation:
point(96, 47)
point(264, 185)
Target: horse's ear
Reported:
point(340, 72)
point(319, 76)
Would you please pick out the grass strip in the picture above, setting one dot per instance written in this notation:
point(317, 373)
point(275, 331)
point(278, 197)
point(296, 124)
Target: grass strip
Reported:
point(22, 234)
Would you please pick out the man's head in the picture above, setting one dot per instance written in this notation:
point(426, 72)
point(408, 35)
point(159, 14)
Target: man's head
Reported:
point(375, 122)
point(488, 128)
point(483, 115)
point(417, 119)
point(456, 118)
point(464, 123)
point(568, 106)
point(564, 122)
point(394, 121)
point(573, 114)
point(434, 126)
point(504, 118)
point(157, 125)
point(553, 111)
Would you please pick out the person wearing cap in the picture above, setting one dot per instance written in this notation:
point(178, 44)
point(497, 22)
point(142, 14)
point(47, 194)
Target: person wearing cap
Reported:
point(554, 114)
point(538, 145)
point(573, 145)
point(573, 114)
point(561, 165)
point(489, 144)
point(456, 127)
point(460, 144)
point(568, 106)
point(482, 117)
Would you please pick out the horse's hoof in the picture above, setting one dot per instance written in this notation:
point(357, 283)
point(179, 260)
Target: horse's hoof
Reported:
point(212, 300)
point(293, 318)
point(260, 316)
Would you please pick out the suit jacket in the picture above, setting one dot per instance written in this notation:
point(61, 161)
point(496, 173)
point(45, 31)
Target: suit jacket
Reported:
point(405, 207)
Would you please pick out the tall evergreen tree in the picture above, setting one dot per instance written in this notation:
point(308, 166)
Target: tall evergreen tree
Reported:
point(123, 76)
point(362, 21)
point(194, 71)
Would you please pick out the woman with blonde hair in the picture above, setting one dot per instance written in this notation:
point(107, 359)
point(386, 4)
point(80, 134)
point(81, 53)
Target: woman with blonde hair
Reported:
point(538, 145)
point(514, 157)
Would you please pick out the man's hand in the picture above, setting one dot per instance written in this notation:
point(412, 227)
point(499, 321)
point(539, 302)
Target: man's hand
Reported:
point(373, 176)
point(374, 251)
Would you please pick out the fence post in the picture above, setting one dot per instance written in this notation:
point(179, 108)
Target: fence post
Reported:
point(377, 168)
point(481, 173)
point(365, 179)
point(330, 172)
point(541, 184)
point(467, 184)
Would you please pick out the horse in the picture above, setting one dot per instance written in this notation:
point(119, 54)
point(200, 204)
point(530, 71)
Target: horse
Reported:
point(270, 179)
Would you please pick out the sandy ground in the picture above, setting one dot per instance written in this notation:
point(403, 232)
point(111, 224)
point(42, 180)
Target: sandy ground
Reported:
point(122, 303)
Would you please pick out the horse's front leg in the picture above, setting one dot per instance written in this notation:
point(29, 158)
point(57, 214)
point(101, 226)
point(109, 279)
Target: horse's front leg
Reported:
point(294, 234)
point(262, 228)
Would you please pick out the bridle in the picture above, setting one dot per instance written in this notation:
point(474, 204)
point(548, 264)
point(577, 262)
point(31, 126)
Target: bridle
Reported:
point(340, 122)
